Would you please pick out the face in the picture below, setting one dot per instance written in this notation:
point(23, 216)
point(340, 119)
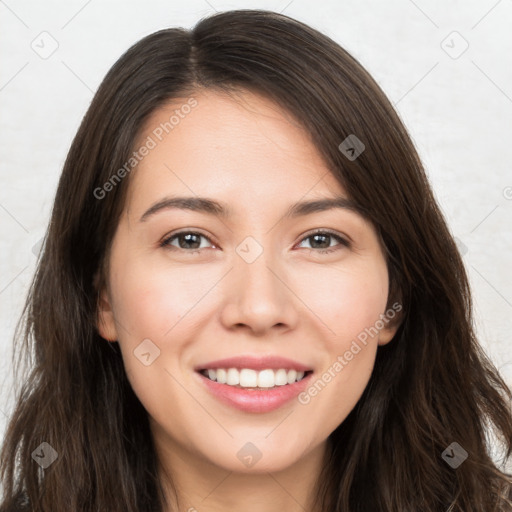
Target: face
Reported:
point(190, 286)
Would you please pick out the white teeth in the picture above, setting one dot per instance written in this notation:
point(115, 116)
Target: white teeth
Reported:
point(220, 374)
point(248, 378)
point(281, 377)
point(233, 377)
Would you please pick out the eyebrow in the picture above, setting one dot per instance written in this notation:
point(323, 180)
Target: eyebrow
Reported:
point(212, 207)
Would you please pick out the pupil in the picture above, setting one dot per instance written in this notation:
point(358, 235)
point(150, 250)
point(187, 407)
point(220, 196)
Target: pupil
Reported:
point(187, 237)
point(316, 237)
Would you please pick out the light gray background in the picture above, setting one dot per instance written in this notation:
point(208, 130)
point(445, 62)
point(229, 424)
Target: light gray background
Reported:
point(458, 109)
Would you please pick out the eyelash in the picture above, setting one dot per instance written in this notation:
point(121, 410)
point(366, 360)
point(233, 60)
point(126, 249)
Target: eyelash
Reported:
point(165, 243)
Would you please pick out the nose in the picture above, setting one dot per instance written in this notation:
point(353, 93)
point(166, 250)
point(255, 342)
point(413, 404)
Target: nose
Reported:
point(259, 296)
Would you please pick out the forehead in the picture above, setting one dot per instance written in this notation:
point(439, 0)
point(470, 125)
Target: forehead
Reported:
point(240, 147)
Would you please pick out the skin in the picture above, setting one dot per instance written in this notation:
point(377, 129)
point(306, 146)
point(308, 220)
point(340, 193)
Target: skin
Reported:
point(199, 306)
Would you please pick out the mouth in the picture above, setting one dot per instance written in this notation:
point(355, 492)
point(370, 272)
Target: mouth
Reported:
point(250, 379)
point(252, 391)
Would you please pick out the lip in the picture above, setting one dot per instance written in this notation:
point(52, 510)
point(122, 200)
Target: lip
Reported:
point(253, 400)
point(255, 363)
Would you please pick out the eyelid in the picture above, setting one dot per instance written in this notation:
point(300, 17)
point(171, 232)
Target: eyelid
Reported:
point(343, 240)
point(164, 242)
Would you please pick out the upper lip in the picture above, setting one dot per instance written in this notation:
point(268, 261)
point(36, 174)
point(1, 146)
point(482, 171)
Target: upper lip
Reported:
point(255, 363)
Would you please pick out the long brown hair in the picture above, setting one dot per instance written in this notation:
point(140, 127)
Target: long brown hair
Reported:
point(432, 385)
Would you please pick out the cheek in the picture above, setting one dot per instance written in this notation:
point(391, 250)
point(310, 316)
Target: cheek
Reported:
point(346, 301)
point(348, 304)
point(152, 303)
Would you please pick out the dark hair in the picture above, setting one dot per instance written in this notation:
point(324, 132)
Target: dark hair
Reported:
point(431, 385)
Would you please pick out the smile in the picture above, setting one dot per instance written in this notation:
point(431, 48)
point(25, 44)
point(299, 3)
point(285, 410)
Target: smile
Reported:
point(249, 378)
point(254, 399)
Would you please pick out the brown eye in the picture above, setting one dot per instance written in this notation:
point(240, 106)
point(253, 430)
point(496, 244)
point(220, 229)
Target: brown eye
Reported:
point(320, 241)
point(186, 240)
point(190, 241)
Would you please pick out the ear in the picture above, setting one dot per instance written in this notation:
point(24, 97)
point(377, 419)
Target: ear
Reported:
point(105, 321)
point(387, 334)
point(392, 320)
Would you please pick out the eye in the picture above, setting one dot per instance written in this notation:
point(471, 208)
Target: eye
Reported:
point(192, 240)
point(186, 240)
point(320, 236)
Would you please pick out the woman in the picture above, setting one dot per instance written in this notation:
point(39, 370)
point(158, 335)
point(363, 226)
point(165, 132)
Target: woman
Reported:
point(250, 371)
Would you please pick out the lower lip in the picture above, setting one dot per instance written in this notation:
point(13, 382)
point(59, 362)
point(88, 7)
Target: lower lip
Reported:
point(254, 400)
